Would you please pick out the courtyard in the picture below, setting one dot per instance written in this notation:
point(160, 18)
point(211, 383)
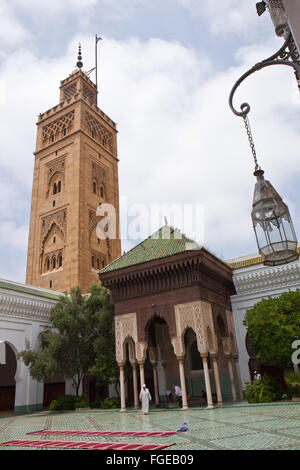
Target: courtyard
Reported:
point(237, 427)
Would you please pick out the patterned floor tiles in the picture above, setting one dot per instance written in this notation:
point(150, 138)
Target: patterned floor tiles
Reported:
point(274, 426)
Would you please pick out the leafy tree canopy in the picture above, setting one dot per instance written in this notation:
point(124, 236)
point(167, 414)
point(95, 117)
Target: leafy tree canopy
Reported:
point(81, 335)
point(273, 324)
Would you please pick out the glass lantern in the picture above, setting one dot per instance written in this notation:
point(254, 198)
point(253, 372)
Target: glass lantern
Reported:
point(272, 223)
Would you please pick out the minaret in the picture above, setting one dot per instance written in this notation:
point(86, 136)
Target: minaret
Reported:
point(76, 169)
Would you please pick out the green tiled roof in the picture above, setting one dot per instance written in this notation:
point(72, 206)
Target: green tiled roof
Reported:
point(167, 241)
point(28, 290)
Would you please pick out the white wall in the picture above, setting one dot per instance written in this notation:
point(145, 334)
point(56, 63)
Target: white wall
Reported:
point(254, 283)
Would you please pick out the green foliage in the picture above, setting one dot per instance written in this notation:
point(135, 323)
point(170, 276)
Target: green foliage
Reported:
point(263, 390)
point(80, 339)
point(81, 402)
point(110, 403)
point(105, 368)
point(273, 324)
point(292, 379)
point(63, 402)
point(68, 402)
point(106, 403)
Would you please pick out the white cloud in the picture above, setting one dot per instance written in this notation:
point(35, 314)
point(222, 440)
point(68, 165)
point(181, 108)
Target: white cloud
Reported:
point(178, 140)
point(54, 6)
point(12, 32)
point(110, 9)
point(225, 16)
point(13, 236)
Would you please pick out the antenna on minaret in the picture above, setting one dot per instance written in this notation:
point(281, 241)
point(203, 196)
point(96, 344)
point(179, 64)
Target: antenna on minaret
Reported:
point(79, 63)
point(97, 39)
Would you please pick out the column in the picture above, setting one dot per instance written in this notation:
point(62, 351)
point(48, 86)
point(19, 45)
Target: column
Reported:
point(237, 368)
point(154, 365)
point(217, 379)
point(207, 381)
point(142, 372)
point(122, 386)
point(234, 398)
point(163, 365)
point(135, 386)
point(182, 382)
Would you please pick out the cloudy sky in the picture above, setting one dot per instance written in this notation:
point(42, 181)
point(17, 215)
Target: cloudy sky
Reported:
point(166, 70)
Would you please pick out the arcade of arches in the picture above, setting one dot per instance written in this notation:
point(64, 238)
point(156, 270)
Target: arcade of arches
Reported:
point(199, 357)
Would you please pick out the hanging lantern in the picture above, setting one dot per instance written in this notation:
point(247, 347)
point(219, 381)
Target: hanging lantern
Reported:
point(272, 223)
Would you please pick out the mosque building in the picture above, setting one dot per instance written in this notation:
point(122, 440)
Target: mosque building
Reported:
point(178, 308)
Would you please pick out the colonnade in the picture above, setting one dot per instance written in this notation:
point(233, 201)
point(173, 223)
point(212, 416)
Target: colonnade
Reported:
point(232, 363)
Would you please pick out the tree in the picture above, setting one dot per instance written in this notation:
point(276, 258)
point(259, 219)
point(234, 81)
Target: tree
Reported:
point(71, 344)
point(105, 368)
point(273, 324)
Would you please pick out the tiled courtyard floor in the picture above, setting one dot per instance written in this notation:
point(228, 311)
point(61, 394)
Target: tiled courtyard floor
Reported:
point(243, 426)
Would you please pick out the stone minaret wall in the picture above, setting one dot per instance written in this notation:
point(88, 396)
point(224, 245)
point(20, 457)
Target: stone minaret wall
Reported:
point(75, 170)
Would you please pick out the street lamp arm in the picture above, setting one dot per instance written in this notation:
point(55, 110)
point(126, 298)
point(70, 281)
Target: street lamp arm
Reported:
point(287, 55)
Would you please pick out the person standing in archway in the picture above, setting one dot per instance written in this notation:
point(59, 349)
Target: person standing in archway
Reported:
point(178, 394)
point(145, 398)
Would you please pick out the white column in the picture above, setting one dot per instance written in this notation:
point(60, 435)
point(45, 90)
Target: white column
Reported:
point(182, 382)
point(207, 381)
point(135, 386)
point(154, 366)
point(231, 376)
point(237, 368)
point(142, 373)
point(122, 387)
point(217, 379)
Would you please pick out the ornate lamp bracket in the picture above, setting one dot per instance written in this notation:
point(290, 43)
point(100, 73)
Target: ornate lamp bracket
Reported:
point(286, 55)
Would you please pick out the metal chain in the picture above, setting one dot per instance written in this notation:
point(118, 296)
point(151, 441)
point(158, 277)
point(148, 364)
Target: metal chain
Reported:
point(250, 138)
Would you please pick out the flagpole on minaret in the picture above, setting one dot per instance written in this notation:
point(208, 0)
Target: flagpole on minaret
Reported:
point(97, 39)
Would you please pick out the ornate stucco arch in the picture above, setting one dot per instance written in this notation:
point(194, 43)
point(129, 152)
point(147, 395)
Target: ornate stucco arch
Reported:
point(198, 317)
point(125, 328)
point(131, 348)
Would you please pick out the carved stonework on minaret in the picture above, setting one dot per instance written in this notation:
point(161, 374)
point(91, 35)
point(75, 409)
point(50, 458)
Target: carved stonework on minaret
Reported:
point(56, 166)
point(98, 173)
point(88, 94)
point(99, 181)
point(99, 132)
point(74, 171)
point(93, 221)
point(55, 175)
point(58, 128)
point(70, 91)
point(98, 260)
point(58, 218)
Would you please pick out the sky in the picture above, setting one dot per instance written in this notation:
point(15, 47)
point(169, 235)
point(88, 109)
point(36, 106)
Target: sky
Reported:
point(166, 68)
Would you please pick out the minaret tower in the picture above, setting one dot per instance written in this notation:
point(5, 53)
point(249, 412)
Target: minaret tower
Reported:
point(76, 169)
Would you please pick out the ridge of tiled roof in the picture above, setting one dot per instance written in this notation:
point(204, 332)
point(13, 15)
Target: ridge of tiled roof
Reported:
point(26, 289)
point(152, 248)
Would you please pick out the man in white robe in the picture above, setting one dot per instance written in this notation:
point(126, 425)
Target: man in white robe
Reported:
point(145, 398)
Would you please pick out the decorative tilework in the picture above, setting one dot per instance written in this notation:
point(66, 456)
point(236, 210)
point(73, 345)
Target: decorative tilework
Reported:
point(242, 426)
